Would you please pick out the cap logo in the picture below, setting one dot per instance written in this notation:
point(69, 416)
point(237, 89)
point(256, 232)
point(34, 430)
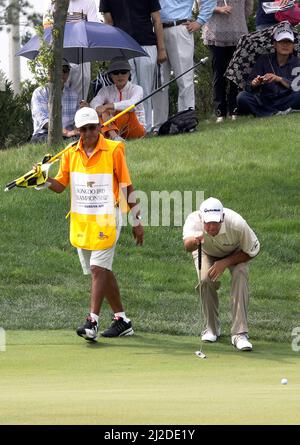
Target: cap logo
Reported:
point(212, 210)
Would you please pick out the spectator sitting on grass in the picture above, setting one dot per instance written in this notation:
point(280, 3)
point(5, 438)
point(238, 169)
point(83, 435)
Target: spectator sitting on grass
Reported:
point(115, 98)
point(269, 89)
point(39, 109)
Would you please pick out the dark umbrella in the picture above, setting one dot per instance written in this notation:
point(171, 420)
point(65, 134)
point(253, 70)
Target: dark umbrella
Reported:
point(86, 41)
point(250, 47)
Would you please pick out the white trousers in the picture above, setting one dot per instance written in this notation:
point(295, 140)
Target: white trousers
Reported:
point(142, 73)
point(179, 45)
point(101, 258)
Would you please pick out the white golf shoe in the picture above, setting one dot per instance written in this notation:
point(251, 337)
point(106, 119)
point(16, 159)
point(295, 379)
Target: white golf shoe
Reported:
point(208, 336)
point(241, 342)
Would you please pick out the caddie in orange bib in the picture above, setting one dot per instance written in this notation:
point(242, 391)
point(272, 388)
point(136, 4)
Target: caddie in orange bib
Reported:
point(95, 169)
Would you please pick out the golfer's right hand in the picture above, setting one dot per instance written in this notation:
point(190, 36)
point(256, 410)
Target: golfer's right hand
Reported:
point(199, 239)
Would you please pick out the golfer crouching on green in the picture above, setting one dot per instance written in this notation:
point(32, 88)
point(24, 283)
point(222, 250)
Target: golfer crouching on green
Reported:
point(227, 242)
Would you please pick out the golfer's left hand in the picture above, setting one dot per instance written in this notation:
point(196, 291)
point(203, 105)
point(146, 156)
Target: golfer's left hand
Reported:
point(216, 270)
point(138, 234)
point(192, 26)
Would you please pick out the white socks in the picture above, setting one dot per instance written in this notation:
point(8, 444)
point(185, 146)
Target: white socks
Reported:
point(94, 317)
point(122, 315)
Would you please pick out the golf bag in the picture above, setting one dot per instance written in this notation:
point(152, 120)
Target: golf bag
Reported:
point(183, 122)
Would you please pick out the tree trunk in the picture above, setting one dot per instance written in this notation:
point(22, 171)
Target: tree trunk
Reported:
point(55, 74)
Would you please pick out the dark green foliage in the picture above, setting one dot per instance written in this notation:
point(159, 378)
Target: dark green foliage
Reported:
point(15, 115)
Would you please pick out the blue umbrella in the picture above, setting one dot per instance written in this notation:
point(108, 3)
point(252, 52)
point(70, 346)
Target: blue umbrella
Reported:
point(86, 41)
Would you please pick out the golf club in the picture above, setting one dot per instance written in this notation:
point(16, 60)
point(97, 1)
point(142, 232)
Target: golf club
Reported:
point(200, 353)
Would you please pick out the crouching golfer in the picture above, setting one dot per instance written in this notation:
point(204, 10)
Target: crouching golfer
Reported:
point(228, 242)
point(95, 168)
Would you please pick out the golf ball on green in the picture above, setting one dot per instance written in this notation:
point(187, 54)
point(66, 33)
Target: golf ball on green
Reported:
point(284, 381)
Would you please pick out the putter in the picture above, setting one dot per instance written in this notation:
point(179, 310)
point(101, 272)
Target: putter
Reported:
point(200, 353)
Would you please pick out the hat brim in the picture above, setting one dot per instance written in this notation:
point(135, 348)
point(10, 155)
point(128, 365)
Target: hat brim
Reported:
point(87, 122)
point(212, 218)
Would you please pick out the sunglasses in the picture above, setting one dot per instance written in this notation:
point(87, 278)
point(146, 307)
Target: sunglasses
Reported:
point(88, 127)
point(65, 69)
point(115, 73)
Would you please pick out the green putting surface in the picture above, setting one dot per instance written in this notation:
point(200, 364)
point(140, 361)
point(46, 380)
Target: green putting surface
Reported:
point(55, 377)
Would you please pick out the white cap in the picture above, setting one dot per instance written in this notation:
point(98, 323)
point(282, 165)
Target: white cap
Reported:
point(86, 116)
point(284, 34)
point(211, 210)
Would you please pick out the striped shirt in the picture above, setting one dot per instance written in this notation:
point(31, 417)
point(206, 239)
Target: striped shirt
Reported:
point(39, 108)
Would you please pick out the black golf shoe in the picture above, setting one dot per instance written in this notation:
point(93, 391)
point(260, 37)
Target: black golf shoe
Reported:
point(88, 330)
point(118, 328)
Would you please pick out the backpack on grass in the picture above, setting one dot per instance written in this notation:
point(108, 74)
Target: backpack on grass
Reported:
point(183, 122)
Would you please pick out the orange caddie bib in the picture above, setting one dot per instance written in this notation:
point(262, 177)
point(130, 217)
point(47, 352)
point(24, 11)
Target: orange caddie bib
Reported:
point(93, 223)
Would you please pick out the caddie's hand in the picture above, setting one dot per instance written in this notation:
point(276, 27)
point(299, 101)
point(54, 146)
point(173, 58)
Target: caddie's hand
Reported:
point(37, 168)
point(138, 234)
point(192, 26)
point(216, 270)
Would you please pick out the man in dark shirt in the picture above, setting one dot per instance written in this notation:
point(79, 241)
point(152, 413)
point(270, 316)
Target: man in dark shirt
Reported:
point(270, 89)
point(141, 20)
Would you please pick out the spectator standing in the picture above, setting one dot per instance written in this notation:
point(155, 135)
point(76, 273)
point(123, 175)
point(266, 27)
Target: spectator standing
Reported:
point(176, 17)
point(221, 34)
point(141, 20)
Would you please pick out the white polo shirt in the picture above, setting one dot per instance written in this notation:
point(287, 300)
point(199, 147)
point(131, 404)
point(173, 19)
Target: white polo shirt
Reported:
point(122, 99)
point(235, 234)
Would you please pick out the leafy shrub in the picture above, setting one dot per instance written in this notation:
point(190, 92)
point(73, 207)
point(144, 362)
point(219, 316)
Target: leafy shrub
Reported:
point(15, 114)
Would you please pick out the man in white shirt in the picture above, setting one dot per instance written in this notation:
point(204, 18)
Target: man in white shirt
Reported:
point(227, 242)
point(179, 28)
point(115, 98)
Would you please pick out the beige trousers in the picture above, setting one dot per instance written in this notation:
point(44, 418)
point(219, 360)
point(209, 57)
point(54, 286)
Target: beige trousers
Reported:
point(179, 45)
point(210, 299)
